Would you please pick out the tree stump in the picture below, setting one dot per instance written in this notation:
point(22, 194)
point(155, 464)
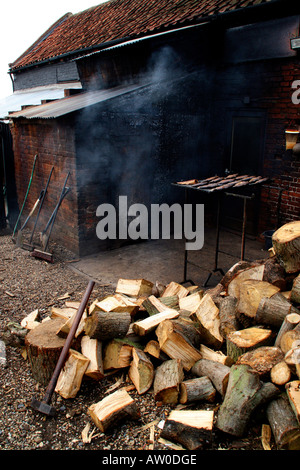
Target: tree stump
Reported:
point(286, 243)
point(43, 348)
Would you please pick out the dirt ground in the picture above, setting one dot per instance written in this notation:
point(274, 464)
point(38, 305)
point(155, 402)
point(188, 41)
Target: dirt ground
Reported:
point(27, 284)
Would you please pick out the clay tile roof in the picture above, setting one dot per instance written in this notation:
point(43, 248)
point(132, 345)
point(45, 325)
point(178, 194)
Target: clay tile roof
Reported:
point(118, 20)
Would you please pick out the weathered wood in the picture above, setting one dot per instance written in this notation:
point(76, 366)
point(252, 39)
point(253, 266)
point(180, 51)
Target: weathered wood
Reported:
point(209, 322)
point(228, 315)
point(280, 373)
point(43, 348)
point(134, 287)
point(289, 323)
point(262, 359)
point(293, 393)
point(286, 243)
point(173, 342)
point(167, 380)
point(273, 310)
point(241, 341)
point(244, 393)
point(284, 424)
point(92, 349)
point(218, 373)
point(107, 325)
point(190, 428)
point(112, 409)
point(141, 371)
point(198, 389)
point(71, 375)
point(295, 292)
point(143, 327)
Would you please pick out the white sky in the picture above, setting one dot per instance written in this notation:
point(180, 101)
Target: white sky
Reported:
point(22, 22)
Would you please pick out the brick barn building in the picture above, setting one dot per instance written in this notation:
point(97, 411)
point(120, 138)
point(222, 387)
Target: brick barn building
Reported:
point(157, 92)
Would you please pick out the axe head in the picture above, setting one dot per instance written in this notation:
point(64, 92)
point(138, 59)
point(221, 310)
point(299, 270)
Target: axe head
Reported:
point(43, 407)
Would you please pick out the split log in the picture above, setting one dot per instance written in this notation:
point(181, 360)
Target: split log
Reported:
point(255, 273)
point(199, 389)
point(108, 304)
point(190, 428)
point(43, 348)
point(286, 243)
point(208, 316)
point(92, 349)
point(251, 292)
point(241, 341)
point(290, 340)
point(295, 292)
point(275, 274)
point(167, 380)
point(288, 324)
point(284, 424)
point(173, 342)
point(141, 371)
point(173, 288)
point(228, 315)
point(158, 289)
point(154, 305)
point(262, 359)
point(112, 409)
point(232, 272)
point(217, 356)
point(280, 374)
point(117, 354)
point(32, 320)
point(107, 325)
point(134, 287)
point(191, 302)
point(245, 392)
point(71, 375)
point(273, 310)
point(63, 330)
point(293, 393)
point(65, 312)
point(143, 327)
point(218, 373)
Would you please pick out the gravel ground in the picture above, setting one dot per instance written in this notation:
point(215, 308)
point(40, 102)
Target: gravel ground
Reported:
point(26, 284)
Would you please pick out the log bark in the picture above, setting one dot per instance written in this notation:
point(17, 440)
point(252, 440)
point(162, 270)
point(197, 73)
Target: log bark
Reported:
point(167, 380)
point(71, 375)
point(173, 342)
point(288, 324)
point(275, 274)
point(283, 422)
point(228, 315)
point(295, 292)
point(92, 349)
point(262, 359)
point(241, 341)
point(141, 371)
point(43, 348)
point(107, 325)
point(280, 374)
point(192, 429)
point(198, 389)
point(112, 409)
point(134, 287)
point(245, 392)
point(209, 322)
point(218, 373)
point(286, 243)
point(293, 393)
point(273, 310)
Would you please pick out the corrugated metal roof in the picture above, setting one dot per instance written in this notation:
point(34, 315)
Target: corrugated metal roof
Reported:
point(34, 96)
point(74, 103)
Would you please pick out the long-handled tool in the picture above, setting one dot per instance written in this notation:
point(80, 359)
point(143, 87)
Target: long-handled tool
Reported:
point(44, 406)
point(19, 237)
point(43, 254)
point(25, 198)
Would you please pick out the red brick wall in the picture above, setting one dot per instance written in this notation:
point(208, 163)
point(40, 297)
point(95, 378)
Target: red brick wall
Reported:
point(53, 142)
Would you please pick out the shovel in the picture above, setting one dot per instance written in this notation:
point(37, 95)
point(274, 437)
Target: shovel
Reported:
point(44, 406)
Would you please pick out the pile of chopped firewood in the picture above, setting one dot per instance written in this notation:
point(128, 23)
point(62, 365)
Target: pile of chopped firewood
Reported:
point(238, 342)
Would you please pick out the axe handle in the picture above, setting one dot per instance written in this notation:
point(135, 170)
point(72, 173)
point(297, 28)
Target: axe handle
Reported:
point(66, 347)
